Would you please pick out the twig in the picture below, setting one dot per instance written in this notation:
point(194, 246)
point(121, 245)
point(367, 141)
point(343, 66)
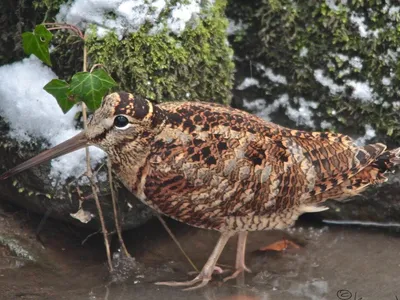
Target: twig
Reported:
point(95, 66)
point(94, 191)
point(89, 236)
point(177, 242)
point(116, 216)
point(84, 61)
point(56, 26)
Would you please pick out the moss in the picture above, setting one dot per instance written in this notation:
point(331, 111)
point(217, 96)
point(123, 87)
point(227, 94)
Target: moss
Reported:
point(163, 66)
point(280, 29)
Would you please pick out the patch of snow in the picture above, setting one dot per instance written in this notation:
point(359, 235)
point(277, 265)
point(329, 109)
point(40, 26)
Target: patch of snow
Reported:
point(369, 134)
point(396, 105)
point(249, 81)
point(356, 62)
point(390, 57)
point(363, 29)
point(361, 90)
point(271, 75)
point(341, 56)
point(332, 4)
point(124, 16)
point(302, 115)
point(233, 27)
point(344, 73)
point(326, 125)
point(33, 114)
point(386, 81)
point(328, 82)
point(394, 13)
point(303, 52)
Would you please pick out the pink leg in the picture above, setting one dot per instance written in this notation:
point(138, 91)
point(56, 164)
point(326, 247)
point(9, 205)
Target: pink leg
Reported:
point(205, 275)
point(240, 256)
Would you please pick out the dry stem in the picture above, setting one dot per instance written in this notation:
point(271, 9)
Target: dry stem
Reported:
point(116, 217)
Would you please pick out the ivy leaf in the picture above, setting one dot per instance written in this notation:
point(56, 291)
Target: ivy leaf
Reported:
point(60, 89)
point(37, 43)
point(91, 87)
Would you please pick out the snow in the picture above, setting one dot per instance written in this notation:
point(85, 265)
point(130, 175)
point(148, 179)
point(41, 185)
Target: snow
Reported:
point(124, 16)
point(341, 56)
point(271, 75)
point(369, 134)
point(394, 13)
point(344, 72)
point(234, 27)
point(386, 81)
point(396, 105)
point(361, 90)
point(247, 82)
point(34, 114)
point(303, 52)
point(326, 125)
point(363, 29)
point(328, 82)
point(332, 4)
point(356, 62)
point(301, 115)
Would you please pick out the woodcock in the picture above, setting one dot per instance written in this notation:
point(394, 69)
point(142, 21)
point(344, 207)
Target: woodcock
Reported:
point(215, 167)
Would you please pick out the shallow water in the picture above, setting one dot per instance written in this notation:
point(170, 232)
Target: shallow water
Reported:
point(334, 262)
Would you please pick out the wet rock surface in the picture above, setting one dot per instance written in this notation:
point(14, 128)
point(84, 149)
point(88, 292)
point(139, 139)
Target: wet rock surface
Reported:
point(331, 261)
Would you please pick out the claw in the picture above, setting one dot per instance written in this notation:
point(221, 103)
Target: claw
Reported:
point(205, 275)
point(204, 280)
point(237, 272)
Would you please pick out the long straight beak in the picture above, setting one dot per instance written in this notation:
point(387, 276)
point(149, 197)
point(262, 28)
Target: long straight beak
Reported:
point(77, 142)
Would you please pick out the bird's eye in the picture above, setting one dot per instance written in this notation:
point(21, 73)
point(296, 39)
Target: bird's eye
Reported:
point(121, 122)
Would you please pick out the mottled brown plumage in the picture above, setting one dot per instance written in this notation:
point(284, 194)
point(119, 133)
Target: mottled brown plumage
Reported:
point(219, 168)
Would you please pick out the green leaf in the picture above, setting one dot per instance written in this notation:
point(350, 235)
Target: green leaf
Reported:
point(37, 43)
point(91, 87)
point(60, 89)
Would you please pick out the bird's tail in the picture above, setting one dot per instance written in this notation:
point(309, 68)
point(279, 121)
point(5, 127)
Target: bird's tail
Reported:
point(371, 174)
point(387, 160)
point(374, 173)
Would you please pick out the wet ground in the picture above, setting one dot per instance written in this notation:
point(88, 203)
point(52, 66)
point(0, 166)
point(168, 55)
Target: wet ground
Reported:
point(334, 262)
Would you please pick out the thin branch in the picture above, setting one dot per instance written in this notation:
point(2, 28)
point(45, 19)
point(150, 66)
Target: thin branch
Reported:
point(95, 66)
point(94, 191)
point(177, 242)
point(84, 62)
point(116, 216)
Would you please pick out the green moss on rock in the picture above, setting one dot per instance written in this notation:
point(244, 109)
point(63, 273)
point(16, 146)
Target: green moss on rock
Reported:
point(280, 32)
point(163, 66)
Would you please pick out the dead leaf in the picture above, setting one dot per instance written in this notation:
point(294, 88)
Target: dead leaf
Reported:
point(281, 245)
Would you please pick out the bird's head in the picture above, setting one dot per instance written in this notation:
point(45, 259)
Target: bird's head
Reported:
point(120, 120)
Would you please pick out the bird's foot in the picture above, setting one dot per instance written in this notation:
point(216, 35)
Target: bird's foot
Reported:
point(202, 279)
point(237, 272)
point(217, 270)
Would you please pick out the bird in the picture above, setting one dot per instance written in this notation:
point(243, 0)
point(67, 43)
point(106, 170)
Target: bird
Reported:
point(215, 167)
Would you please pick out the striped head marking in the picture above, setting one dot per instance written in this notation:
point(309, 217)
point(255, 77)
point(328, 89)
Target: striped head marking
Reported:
point(121, 118)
